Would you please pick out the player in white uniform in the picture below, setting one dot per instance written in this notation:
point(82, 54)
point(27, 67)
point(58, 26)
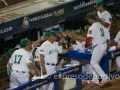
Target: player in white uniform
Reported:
point(104, 17)
point(34, 45)
point(96, 36)
point(9, 53)
point(20, 63)
point(49, 57)
point(117, 41)
point(79, 46)
point(37, 55)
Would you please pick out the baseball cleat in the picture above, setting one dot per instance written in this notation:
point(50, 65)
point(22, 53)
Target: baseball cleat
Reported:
point(89, 82)
point(104, 82)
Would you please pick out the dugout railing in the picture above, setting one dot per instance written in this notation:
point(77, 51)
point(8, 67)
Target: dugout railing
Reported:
point(76, 70)
point(55, 77)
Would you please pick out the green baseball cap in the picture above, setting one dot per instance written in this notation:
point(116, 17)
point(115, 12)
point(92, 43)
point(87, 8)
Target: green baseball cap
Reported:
point(24, 42)
point(10, 51)
point(52, 33)
point(98, 4)
point(78, 31)
point(90, 15)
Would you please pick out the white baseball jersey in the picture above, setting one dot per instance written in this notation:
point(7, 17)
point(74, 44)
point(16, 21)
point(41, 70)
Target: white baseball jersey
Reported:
point(117, 38)
point(50, 52)
point(19, 59)
point(106, 17)
point(96, 31)
point(37, 55)
point(79, 46)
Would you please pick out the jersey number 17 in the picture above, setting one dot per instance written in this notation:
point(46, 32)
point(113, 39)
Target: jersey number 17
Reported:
point(17, 59)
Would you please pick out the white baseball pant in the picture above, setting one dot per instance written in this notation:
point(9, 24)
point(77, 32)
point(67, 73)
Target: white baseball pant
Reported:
point(18, 78)
point(97, 55)
point(50, 69)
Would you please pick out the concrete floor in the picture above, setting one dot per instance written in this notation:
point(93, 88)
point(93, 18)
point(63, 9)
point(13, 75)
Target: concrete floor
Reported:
point(111, 85)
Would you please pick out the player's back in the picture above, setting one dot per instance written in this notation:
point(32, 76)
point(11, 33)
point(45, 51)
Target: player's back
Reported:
point(20, 58)
point(98, 33)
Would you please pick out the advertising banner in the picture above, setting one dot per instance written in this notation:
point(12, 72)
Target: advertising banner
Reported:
point(46, 16)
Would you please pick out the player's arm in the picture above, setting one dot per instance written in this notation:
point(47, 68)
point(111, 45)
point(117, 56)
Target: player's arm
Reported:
point(37, 59)
point(44, 72)
point(71, 48)
point(10, 64)
point(37, 64)
point(77, 37)
point(36, 43)
point(105, 24)
point(11, 61)
point(31, 66)
point(42, 52)
point(64, 51)
point(87, 41)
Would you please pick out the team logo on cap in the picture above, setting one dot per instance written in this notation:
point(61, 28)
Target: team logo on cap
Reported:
point(26, 21)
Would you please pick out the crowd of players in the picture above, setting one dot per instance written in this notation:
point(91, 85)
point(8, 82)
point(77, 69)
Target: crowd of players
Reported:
point(23, 65)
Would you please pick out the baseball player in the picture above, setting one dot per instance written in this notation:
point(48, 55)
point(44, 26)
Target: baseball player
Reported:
point(20, 63)
point(49, 57)
point(117, 41)
point(30, 52)
point(37, 55)
point(104, 17)
point(9, 53)
point(96, 36)
point(79, 46)
point(61, 42)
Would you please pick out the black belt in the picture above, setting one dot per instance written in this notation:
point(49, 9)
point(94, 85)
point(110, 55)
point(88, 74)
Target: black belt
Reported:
point(19, 71)
point(52, 64)
point(97, 44)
